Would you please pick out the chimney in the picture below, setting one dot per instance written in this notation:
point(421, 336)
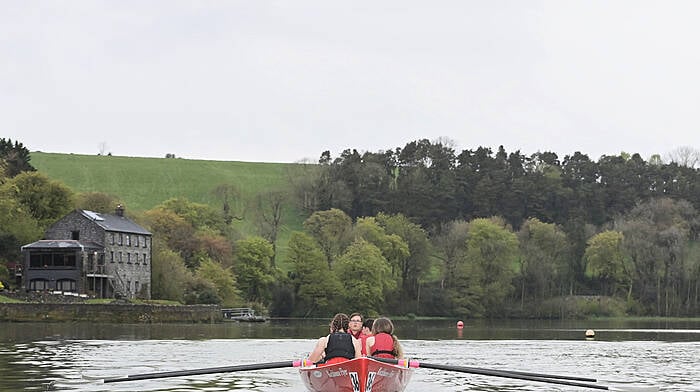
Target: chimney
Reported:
point(119, 211)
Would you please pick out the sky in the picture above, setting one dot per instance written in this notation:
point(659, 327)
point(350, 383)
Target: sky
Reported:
point(283, 81)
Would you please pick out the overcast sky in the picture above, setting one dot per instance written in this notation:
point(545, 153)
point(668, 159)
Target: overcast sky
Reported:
point(280, 81)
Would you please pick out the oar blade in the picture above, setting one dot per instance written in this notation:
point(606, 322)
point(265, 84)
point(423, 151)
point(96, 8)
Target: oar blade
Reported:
point(633, 388)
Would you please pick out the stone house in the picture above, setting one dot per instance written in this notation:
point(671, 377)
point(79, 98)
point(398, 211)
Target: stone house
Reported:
point(85, 252)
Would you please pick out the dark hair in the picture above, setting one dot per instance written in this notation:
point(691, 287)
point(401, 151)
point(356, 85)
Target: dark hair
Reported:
point(357, 314)
point(368, 323)
point(340, 321)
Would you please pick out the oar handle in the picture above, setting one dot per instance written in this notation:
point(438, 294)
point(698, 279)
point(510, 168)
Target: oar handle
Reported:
point(223, 369)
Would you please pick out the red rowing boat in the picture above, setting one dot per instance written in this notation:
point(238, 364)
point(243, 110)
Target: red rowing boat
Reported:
point(357, 375)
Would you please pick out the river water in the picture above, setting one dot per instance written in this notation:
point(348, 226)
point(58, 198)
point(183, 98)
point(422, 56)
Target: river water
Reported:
point(77, 356)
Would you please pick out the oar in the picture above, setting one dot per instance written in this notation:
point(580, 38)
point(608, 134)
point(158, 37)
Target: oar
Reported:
point(223, 369)
point(516, 375)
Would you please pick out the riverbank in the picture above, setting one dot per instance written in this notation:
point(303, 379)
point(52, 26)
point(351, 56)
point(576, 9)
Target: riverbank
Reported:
point(109, 313)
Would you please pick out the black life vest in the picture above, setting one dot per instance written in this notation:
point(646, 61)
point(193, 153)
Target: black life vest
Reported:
point(340, 345)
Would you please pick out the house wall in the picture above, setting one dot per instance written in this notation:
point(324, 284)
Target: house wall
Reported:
point(76, 221)
point(53, 275)
point(128, 262)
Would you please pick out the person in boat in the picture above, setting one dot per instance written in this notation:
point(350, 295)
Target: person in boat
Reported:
point(339, 345)
point(383, 343)
point(366, 332)
point(356, 325)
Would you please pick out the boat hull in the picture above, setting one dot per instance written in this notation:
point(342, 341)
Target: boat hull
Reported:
point(356, 375)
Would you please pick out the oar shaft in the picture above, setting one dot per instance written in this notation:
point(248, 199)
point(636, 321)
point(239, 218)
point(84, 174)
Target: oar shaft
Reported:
point(498, 373)
point(553, 376)
point(194, 372)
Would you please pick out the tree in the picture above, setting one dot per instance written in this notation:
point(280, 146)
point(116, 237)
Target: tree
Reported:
point(452, 247)
point(605, 259)
point(97, 202)
point(269, 217)
point(543, 259)
point(228, 194)
point(305, 180)
point(200, 216)
point(685, 156)
point(15, 158)
point(178, 234)
point(656, 237)
point(222, 278)
point(317, 289)
point(169, 276)
point(17, 228)
point(365, 276)
point(394, 249)
point(412, 270)
point(486, 275)
point(331, 229)
point(46, 200)
point(253, 268)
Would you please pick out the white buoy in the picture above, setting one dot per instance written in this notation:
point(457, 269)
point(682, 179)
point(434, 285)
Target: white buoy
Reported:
point(590, 334)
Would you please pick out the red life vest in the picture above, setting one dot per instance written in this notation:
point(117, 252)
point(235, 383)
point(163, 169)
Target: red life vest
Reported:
point(383, 346)
point(363, 342)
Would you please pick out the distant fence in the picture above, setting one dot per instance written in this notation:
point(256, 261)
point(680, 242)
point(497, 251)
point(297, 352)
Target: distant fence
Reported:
point(110, 313)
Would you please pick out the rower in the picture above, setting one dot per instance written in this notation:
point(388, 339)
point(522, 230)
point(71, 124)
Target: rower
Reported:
point(338, 345)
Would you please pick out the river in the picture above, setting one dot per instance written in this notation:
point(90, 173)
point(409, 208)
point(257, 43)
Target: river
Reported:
point(77, 356)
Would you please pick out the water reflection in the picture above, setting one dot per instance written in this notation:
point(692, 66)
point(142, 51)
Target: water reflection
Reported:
point(78, 356)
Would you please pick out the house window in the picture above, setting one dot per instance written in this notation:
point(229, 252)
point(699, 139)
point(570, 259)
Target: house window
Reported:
point(128, 286)
point(35, 261)
point(75, 235)
point(128, 258)
point(111, 256)
point(121, 239)
point(65, 285)
point(145, 260)
point(111, 238)
point(120, 257)
point(128, 240)
point(70, 260)
point(39, 284)
point(137, 287)
point(136, 257)
point(145, 242)
point(58, 261)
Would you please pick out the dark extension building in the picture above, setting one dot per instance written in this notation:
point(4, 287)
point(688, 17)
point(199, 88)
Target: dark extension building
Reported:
point(85, 252)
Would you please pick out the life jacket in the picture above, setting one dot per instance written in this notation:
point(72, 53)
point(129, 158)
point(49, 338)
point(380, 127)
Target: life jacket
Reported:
point(340, 346)
point(363, 343)
point(383, 346)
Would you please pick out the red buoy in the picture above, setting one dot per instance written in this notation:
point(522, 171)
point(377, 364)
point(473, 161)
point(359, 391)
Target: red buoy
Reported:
point(460, 324)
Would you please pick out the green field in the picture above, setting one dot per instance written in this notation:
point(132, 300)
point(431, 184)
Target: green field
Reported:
point(143, 183)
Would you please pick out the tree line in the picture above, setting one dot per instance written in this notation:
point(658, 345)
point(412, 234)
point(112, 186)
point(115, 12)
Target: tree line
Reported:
point(555, 210)
point(418, 230)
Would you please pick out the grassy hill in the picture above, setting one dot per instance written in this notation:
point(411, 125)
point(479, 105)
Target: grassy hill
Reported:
point(142, 183)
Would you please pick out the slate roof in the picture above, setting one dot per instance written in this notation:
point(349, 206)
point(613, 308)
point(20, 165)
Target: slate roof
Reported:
point(62, 244)
point(111, 222)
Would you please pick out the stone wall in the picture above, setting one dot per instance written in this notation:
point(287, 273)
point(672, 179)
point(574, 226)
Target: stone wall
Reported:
point(110, 313)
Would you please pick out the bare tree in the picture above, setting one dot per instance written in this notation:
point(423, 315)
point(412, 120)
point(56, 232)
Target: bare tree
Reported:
point(228, 194)
point(304, 177)
point(269, 217)
point(685, 156)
